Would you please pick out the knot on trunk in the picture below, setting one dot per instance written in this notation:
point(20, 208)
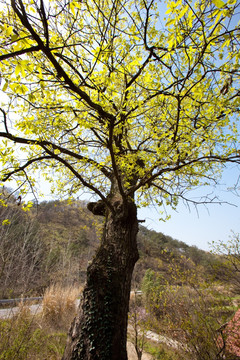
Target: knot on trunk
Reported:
point(97, 208)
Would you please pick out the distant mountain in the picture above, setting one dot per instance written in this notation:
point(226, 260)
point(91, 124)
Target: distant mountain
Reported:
point(55, 240)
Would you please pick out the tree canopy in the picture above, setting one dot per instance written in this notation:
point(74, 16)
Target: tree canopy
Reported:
point(144, 92)
point(135, 101)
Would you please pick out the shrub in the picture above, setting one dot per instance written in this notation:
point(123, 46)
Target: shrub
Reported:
point(20, 337)
point(40, 336)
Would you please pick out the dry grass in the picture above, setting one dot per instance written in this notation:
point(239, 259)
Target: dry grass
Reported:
point(21, 338)
point(39, 336)
point(59, 306)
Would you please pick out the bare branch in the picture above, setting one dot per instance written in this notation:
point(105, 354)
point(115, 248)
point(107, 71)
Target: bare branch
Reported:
point(19, 52)
point(5, 120)
point(44, 144)
point(23, 167)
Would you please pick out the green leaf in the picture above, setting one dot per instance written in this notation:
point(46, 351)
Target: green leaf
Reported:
point(218, 3)
point(5, 86)
point(17, 69)
point(6, 222)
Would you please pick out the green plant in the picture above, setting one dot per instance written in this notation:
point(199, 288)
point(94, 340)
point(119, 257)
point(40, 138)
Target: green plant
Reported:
point(21, 338)
point(29, 337)
point(229, 266)
point(188, 308)
point(161, 352)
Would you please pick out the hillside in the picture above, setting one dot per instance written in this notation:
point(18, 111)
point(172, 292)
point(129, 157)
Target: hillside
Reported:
point(54, 242)
point(187, 293)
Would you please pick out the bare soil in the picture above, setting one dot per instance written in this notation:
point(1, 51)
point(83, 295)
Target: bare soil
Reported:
point(132, 355)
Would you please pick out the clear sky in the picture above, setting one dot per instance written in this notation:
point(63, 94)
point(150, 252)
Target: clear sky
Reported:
point(210, 223)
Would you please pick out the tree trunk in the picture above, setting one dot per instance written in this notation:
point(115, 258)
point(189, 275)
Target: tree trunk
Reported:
point(99, 331)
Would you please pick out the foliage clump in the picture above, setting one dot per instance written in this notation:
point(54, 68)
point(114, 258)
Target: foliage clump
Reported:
point(189, 307)
point(24, 337)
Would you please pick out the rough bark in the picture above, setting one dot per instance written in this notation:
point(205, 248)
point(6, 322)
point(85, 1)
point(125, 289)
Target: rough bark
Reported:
point(99, 332)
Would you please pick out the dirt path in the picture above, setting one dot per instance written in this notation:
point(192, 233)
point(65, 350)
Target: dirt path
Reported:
point(8, 313)
point(132, 355)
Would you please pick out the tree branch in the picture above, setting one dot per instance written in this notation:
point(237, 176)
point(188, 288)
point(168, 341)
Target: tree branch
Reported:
point(19, 52)
point(79, 177)
point(44, 143)
point(23, 167)
point(5, 120)
point(60, 71)
point(212, 158)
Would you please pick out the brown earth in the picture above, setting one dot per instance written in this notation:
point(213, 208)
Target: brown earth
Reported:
point(132, 355)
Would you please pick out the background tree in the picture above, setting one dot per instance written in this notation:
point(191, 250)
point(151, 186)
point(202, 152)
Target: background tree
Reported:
point(22, 251)
point(113, 98)
point(138, 322)
point(186, 305)
point(229, 267)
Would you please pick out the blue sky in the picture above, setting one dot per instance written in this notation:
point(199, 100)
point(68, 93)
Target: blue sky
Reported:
point(210, 223)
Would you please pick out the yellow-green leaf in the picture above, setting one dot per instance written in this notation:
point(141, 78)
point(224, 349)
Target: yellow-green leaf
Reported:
point(218, 3)
point(6, 222)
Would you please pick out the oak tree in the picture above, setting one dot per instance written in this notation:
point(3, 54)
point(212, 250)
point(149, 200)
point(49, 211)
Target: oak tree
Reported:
point(133, 101)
